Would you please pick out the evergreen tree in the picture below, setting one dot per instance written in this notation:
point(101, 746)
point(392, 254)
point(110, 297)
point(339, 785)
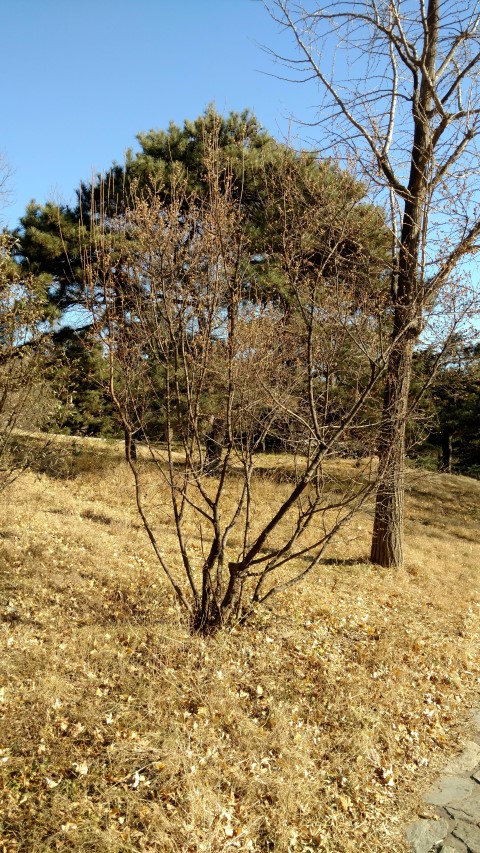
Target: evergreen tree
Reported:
point(255, 170)
point(77, 370)
point(50, 238)
point(456, 398)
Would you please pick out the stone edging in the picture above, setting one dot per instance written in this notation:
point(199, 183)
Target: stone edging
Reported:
point(456, 797)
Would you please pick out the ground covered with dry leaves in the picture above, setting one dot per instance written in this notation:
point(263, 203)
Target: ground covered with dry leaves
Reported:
point(313, 727)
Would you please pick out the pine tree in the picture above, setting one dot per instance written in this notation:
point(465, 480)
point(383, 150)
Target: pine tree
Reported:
point(254, 167)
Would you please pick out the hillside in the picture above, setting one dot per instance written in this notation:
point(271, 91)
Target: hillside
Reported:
point(314, 727)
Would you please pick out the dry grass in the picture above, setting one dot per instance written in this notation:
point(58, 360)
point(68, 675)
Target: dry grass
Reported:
point(314, 727)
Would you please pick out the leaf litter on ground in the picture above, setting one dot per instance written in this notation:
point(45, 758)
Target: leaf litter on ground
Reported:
point(315, 726)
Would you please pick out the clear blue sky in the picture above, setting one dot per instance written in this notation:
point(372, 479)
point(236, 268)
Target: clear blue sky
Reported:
point(80, 78)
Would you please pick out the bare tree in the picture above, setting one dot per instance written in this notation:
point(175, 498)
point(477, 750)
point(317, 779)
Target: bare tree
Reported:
point(5, 177)
point(24, 403)
point(400, 96)
point(192, 337)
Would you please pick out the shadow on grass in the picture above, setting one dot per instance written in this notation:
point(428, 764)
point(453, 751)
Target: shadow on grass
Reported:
point(58, 458)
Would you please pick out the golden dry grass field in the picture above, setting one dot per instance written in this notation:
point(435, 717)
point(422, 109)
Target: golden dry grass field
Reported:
point(313, 727)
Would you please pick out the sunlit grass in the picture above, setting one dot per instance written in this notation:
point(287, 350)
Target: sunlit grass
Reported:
point(314, 726)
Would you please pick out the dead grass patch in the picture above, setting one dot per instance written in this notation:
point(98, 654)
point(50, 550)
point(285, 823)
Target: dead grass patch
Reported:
point(313, 727)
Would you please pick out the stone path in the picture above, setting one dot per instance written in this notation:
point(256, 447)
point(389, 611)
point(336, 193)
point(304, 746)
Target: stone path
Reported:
point(456, 798)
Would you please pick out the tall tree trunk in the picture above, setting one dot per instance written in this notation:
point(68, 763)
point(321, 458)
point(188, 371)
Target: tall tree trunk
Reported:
point(407, 292)
point(387, 541)
point(214, 441)
point(446, 457)
point(130, 446)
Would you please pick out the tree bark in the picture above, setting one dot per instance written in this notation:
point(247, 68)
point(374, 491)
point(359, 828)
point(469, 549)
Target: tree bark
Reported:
point(408, 299)
point(130, 446)
point(214, 441)
point(387, 539)
point(446, 458)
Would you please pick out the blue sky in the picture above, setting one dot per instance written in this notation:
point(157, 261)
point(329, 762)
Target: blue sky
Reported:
point(82, 77)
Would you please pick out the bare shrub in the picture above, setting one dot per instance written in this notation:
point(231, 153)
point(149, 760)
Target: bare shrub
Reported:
point(26, 400)
point(194, 343)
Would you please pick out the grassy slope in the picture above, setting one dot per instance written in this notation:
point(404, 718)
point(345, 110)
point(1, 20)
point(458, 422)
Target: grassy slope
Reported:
point(315, 727)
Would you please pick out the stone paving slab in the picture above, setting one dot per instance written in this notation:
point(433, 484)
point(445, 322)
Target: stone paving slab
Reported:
point(456, 796)
point(453, 845)
point(449, 790)
point(467, 809)
point(466, 762)
point(469, 834)
point(425, 835)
